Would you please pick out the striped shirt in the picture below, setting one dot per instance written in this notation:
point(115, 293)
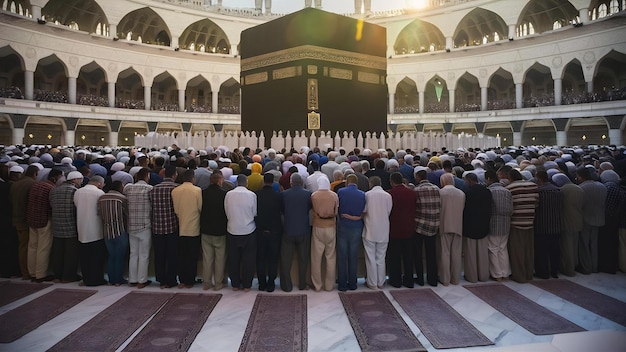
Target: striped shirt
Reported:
point(113, 211)
point(549, 210)
point(501, 210)
point(139, 208)
point(164, 220)
point(427, 210)
point(38, 210)
point(525, 199)
point(63, 211)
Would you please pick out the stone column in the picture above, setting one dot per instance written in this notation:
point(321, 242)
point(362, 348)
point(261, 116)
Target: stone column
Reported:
point(583, 14)
point(147, 90)
point(519, 98)
point(214, 107)
point(35, 10)
point(392, 103)
point(615, 136)
point(420, 96)
point(70, 137)
point(112, 30)
point(561, 138)
point(512, 31)
point(449, 43)
point(113, 139)
point(174, 42)
point(558, 91)
point(18, 135)
point(451, 99)
point(111, 94)
point(233, 50)
point(29, 82)
point(71, 90)
point(483, 98)
point(517, 138)
point(181, 100)
point(590, 87)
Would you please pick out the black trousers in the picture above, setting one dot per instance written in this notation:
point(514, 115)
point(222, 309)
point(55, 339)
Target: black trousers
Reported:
point(547, 254)
point(427, 242)
point(241, 259)
point(188, 252)
point(65, 258)
point(166, 258)
point(92, 256)
point(302, 245)
point(400, 260)
point(608, 245)
point(9, 263)
point(267, 254)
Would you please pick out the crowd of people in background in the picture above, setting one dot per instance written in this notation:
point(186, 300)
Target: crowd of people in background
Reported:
point(519, 213)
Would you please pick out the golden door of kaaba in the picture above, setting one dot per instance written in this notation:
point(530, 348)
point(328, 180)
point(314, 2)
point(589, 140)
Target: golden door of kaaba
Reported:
point(314, 70)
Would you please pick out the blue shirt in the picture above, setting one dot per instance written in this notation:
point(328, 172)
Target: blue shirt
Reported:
point(296, 204)
point(351, 202)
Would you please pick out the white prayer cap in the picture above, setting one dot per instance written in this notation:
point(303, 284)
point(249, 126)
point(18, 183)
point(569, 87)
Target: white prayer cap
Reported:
point(323, 184)
point(16, 169)
point(118, 166)
point(74, 175)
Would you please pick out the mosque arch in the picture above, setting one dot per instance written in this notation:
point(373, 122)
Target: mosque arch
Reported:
point(541, 131)
point(610, 72)
point(11, 68)
point(501, 90)
point(198, 95)
point(205, 36)
point(164, 92)
point(50, 80)
point(92, 132)
point(479, 27)
point(20, 7)
point(6, 129)
point(129, 91)
point(467, 93)
point(504, 130)
point(229, 97)
point(44, 130)
point(128, 130)
point(146, 26)
point(419, 37)
point(573, 81)
point(436, 95)
point(589, 130)
point(406, 97)
point(87, 15)
point(538, 86)
point(543, 14)
point(602, 8)
point(91, 85)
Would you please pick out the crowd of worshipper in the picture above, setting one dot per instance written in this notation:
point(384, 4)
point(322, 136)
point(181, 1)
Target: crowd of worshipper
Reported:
point(429, 216)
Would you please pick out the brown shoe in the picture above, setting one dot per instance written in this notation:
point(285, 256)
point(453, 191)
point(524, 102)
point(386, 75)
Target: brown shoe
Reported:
point(144, 284)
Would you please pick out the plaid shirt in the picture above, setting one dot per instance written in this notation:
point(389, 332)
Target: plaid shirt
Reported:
point(38, 210)
point(427, 212)
point(139, 208)
point(164, 220)
point(63, 211)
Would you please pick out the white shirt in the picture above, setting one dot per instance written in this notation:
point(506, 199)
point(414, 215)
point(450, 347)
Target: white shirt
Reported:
point(378, 205)
point(311, 181)
point(240, 207)
point(88, 221)
point(451, 215)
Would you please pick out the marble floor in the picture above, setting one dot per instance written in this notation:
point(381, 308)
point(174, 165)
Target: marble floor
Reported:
point(329, 328)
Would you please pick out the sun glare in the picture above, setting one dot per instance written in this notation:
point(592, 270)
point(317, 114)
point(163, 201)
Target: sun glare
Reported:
point(415, 4)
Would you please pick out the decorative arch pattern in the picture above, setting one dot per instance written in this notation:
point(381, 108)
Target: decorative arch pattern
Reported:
point(205, 36)
point(479, 27)
point(545, 15)
point(146, 26)
point(83, 15)
point(419, 37)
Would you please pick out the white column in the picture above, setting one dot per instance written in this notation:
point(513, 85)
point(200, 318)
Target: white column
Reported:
point(181, 100)
point(561, 138)
point(590, 87)
point(451, 99)
point(147, 97)
point(519, 91)
point(584, 15)
point(70, 138)
point(512, 31)
point(71, 90)
point(214, 96)
point(174, 42)
point(233, 50)
point(392, 103)
point(29, 82)
point(111, 94)
point(112, 30)
point(420, 97)
point(483, 98)
point(517, 138)
point(36, 11)
point(558, 91)
point(615, 136)
point(18, 136)
point(449, 43)
point(113, 136)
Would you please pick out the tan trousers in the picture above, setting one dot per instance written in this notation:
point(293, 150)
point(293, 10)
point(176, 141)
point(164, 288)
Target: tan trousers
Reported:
point(522, 254)
point(39, 246)
point(476, 259)
point(499, 266)
point(622, 250)
point(323, 242)
point(213, 261)
point(449, 247)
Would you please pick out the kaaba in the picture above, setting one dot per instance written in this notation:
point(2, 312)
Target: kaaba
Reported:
point(314, 70)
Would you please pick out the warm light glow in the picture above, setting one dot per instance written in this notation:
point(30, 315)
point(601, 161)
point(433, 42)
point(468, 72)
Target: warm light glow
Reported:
point(359, 31)
point(49, 136)
point(533, 138)
point(31, 136)
point(102, 139)
point(83, 137)
point(125, 139)
point(497, 134)
point(504, 139)
point(604, 136)
point(415, 4)
point(584, 137)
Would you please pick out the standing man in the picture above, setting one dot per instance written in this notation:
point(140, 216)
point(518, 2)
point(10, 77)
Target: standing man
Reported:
point(165, 230)
point(349, 232)
point(113, 211)
point(521, 237)
point(378, 205)
point(428, 208)
point(187, 200)
point(594, 202)
point(139, 228)
point(547, 227)
point(38, 214)
point(296, 204)
point(450, 243)
point(499, 227)
point(476, 222)
point(571, 222)
point(213, 228)
point(89, 225)
point(19, 200)
point(240, 205)
point(269, 228)
point(401, 232)
point(325, 204)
